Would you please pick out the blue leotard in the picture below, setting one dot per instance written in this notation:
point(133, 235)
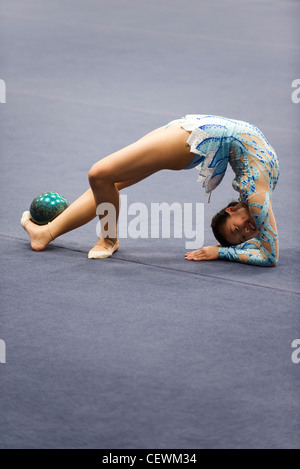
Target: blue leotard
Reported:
point(217, 141)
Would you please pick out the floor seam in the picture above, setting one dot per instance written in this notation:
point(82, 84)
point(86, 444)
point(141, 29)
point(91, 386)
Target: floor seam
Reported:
point(172, 269)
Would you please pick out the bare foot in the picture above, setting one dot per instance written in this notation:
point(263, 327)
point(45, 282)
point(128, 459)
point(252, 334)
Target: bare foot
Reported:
point(104, 248)
point(40, 236)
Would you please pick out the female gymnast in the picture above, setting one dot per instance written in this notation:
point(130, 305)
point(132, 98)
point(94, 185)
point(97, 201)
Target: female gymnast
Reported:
point(246, 230)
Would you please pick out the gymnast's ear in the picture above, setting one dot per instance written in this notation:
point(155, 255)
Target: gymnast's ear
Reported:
point(230, 210)
point(233, 208)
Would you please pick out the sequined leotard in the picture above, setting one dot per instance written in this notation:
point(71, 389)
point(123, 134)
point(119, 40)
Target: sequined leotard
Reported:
point(217, 141)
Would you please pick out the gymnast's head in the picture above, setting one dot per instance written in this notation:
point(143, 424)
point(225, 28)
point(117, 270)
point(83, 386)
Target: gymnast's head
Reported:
point(233, 225)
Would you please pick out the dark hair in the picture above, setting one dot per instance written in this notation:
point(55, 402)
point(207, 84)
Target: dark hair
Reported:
point(218, 221)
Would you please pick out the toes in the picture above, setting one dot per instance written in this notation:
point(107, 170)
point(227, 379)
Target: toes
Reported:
point(25, 218)
point(103, 249)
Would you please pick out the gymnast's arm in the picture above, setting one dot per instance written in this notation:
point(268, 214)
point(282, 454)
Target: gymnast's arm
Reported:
point(263, 249)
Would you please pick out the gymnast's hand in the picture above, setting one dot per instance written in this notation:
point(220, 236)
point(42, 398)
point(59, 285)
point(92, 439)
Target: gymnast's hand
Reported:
point(207, 253)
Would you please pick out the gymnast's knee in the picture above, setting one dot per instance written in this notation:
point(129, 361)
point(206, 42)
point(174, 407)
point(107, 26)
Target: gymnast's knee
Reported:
point(98, 175)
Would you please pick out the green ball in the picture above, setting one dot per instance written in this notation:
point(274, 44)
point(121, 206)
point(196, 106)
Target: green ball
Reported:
point(47, 206)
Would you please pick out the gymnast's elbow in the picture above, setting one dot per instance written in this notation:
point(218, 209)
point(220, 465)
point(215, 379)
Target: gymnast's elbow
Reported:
point(269, 261)
point(273, 262)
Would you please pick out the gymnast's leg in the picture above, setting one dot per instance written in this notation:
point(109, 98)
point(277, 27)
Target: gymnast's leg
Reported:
point(165, 148)
point(80, 212)
point(161, 149)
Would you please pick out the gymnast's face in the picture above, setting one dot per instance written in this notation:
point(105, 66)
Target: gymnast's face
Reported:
point(239, 226)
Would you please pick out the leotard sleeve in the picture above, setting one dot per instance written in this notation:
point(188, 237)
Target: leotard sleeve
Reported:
point(263, 249)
